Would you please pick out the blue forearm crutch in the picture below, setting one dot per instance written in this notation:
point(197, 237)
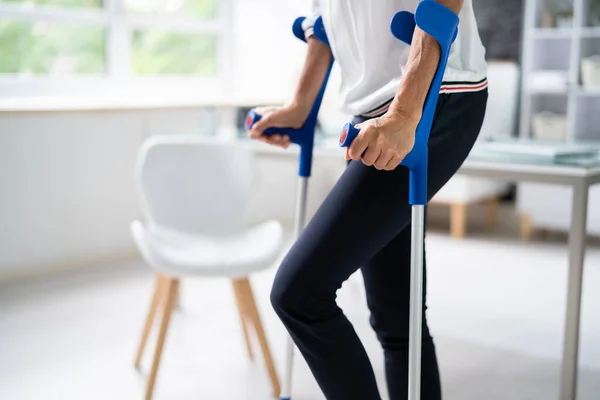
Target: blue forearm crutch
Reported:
point(441, 23)
point(305, 138)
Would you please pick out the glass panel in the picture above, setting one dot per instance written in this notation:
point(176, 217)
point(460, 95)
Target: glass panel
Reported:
point(172, 53)
point(42, 48)
point(62, 3)
point(204, 9)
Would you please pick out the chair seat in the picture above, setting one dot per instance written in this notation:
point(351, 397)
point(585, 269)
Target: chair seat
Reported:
point(234, 256)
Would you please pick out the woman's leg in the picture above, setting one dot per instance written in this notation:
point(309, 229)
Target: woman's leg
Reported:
point(365, 210)
point(387, 275)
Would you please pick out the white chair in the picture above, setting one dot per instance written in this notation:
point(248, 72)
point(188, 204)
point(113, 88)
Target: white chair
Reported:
point(193, 193)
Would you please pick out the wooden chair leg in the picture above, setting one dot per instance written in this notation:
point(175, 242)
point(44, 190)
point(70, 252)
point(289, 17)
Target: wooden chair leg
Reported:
point(156, 299)
point(252, 310)
point(492, 213)
point(177, 302)
point(458, 220)
point(526, 227)
point(169, 293)
point(244, 315)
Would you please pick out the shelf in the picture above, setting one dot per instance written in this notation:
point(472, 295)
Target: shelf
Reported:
point(588, 92)
point(565, 33)
point(548, 92)
point(580, 91)
point(590, 32)
point(551, 33)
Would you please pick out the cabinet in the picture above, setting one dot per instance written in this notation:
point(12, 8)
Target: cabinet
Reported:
point(557, 103)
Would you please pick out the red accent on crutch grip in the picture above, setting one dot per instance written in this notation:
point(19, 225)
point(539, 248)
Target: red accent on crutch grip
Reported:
point(249, 121)
point(343, 136)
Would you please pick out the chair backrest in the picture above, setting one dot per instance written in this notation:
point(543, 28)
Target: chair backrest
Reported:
point(192, 184)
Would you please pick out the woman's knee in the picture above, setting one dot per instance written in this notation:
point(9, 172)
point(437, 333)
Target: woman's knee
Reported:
point(287, 288)
point(298, 295)
point(282, 299)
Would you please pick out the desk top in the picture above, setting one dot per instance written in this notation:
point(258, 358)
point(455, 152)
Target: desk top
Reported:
point(544, 158)
point(488, 158)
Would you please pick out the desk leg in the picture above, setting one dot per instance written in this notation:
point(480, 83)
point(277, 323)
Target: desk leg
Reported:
point(577, 240)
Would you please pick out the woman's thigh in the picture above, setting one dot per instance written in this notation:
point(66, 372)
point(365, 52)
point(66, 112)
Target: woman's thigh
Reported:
point(387, 273)
point(363, 212)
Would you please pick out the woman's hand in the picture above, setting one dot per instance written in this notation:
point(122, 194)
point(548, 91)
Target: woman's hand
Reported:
point(277, 117)
point(383, 142)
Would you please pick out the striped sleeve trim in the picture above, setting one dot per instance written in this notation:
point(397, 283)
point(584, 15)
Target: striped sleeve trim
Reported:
point(447, 87)
point(457, 87)
point(378, 110)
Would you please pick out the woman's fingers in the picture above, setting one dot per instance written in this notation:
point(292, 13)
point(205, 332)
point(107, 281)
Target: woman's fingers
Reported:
point(392, 163)
point(384, 158)
point(259, 127)
point(277, 140)
point(265, 122)
point(360, 144)
point(371, 154)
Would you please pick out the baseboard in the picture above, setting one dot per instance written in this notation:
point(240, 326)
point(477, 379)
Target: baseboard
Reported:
point(37, 271)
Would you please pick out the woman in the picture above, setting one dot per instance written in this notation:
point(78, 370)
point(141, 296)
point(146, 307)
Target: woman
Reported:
point(365, 221)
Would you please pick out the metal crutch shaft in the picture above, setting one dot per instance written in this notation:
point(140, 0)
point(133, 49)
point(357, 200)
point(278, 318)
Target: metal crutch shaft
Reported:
point(300, 221)
point(304, 137)
point(416, 302)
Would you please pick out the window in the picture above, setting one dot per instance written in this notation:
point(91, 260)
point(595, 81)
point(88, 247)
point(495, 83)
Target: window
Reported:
point(57, 44)
point(47, 48)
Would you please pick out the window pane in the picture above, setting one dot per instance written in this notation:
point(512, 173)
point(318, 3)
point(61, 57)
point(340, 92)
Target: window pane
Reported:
point(171, 53)
point(42, 48)
point(62, 3)
point(204, 9)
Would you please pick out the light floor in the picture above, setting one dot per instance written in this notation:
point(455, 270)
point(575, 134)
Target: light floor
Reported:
point(496, 308)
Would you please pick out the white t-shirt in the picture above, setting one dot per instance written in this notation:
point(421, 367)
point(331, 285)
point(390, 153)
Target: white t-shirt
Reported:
point(372, 60)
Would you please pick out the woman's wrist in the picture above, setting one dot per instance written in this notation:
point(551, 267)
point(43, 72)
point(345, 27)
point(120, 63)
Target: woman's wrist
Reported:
point(299, 110)
point(403, 113)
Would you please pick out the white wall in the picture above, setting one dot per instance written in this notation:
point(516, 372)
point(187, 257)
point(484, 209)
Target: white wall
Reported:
point(66, 182)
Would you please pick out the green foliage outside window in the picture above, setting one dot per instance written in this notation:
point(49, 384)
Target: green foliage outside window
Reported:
point(42, 48)
point(64, 48)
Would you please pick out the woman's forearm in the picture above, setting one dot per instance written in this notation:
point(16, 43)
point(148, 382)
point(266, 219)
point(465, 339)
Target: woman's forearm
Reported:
point(315, 68)
point(423, 60)
point(313, 73)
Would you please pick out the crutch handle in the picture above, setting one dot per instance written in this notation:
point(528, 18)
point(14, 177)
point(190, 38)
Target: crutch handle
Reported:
point(441, 23)
point(253, 117)
point(305, 135)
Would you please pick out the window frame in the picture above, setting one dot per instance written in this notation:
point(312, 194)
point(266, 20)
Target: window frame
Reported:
point(119, 78)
